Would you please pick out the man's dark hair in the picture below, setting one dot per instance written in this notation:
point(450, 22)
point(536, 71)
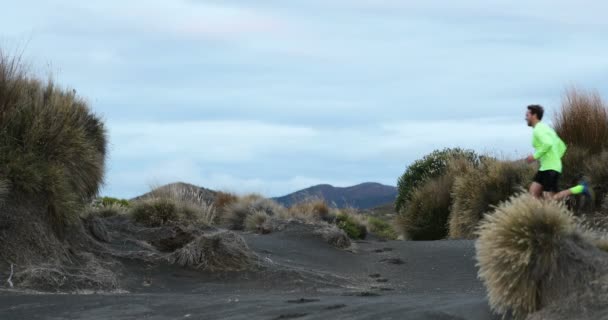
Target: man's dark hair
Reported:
point(537, 110)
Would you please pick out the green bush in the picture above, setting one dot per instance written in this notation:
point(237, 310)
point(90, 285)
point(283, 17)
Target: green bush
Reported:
point(430, 166)
point(381, 228)
point(52, 147)
point(155, 212)
point(107, 201)
point(351, 226)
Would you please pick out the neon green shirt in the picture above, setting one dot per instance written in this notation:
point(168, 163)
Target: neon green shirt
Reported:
point(549, 147)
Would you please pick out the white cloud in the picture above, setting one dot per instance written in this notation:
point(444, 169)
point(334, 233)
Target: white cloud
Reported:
point(189, 151)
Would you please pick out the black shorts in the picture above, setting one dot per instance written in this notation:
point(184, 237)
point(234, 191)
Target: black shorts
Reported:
point(549, 179)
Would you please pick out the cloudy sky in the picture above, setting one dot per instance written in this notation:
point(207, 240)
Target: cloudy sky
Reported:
point(273, 96)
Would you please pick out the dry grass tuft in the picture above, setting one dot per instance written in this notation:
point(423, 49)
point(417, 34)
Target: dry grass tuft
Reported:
point(313, 210)
point(334, 236)
point(218, 251)
point(259, 222)
point(524, 251)
point(583, 120)
point(236, 213)
point(476, 192)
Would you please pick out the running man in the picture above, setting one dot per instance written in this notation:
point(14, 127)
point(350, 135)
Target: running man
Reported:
point(549, 152)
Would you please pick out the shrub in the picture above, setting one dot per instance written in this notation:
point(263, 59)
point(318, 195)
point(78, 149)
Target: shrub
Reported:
point(353, 228)
point(52, 146)
point(583, 121)
point(426, 214)
point(430, 166)
point(381, 228)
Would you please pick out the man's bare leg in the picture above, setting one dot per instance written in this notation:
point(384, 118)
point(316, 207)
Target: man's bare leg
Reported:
point(536, 189)
point(562, 194)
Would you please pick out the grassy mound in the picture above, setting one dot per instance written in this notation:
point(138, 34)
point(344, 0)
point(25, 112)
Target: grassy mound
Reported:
point(530, 254)
point(313, 210)
point(381, 228)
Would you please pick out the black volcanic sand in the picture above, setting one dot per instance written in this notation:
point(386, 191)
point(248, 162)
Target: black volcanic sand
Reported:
point(301, 277)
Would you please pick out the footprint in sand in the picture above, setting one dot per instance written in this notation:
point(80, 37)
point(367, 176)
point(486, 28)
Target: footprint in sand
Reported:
point(375, 275)
point(396, 261)
point(291, 316)
point(303, 300)
point(383, 250)
point(336, 307)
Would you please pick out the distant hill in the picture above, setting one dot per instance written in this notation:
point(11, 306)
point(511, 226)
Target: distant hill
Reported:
point(362, 196)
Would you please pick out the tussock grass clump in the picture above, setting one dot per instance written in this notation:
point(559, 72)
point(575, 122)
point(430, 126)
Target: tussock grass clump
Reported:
point(259, 222)
point(173, 203)
point(530, 254)
point(313, 210)
point(478, 191)
point(334, 236)
point(583, 120)
point(218, 251)
point(236, 213)
point(155, 212)
point(52, 146)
